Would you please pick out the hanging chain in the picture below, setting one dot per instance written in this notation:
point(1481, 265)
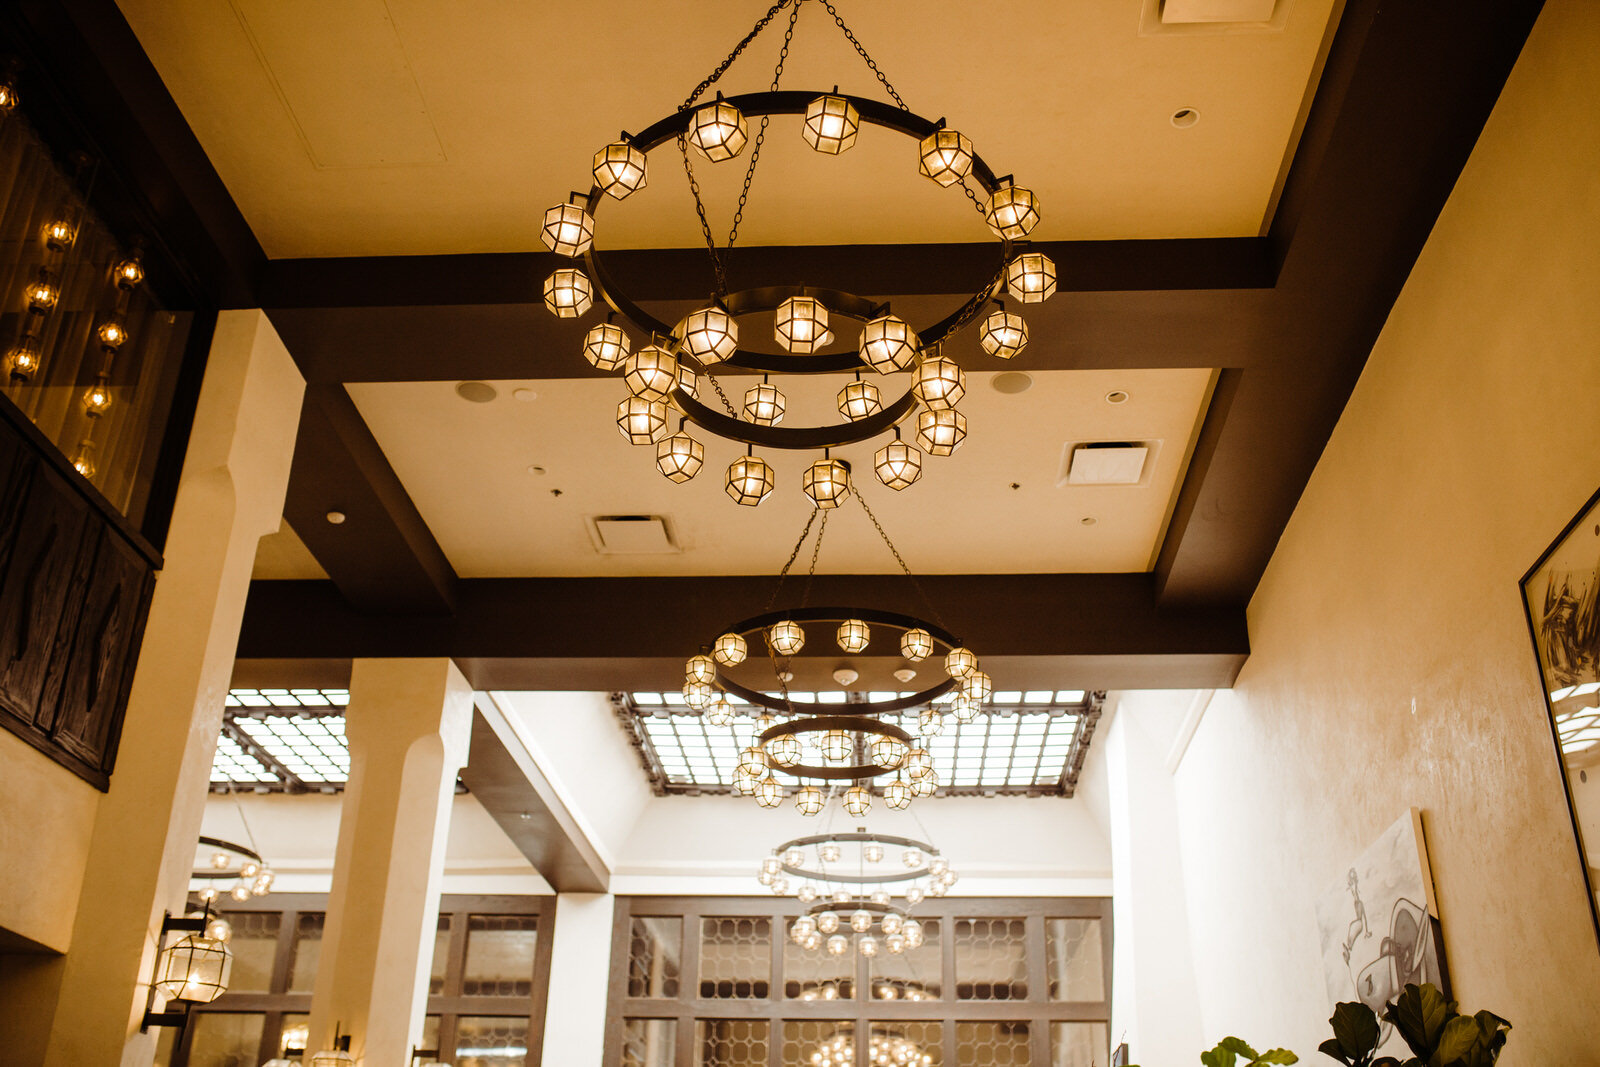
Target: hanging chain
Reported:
point(811, 572)
point(708, 376)
point(900, 559)
point(761, 133)
point(872, 64)
point(793, 555)
point(965, 188)
point(705, 225)
point(711, 79)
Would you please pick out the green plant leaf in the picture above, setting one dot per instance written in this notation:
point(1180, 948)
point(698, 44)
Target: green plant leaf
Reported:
point(1420, 1014)
point(1334, 1050)
point(1217, 1057)
point(1277, 1055)
point(1238, 1048)
point(1456, 1041)
point(1355, 1027)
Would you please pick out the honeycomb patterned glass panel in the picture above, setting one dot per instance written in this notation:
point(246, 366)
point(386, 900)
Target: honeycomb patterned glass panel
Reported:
point(731, 1042)
point(910, 975)
point(993, 1044)
point(491, 1041)
point(991, 959)
point(649, 1042)
point(812, 974)
point(500, 955)
point(735, 957)
point(306, 951)
point(818, 1043)
point(655, 954)
point(906, 1044)
point(1079, 1045)
point(255, 946)
point(1074, 959)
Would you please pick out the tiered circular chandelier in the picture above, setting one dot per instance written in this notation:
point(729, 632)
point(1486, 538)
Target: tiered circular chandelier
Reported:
point(885, 1048)
point(843, 747)
point(666, 367)
point(228, 862)
point(849, 882)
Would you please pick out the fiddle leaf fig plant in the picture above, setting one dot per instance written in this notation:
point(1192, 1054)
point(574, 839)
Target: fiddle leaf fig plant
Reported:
point(1230, 1050)
point(1437, 1034)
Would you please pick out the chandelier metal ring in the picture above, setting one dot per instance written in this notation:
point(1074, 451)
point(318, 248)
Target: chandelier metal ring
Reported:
point(857, 905)
point(886, 875)
point(856, 724)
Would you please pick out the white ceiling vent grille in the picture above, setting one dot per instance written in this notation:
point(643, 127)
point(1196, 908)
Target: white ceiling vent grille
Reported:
point(1213, 16)
point(1107, 463)
point(631, 535)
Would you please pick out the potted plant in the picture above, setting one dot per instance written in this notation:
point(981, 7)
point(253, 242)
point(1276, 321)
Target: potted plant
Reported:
point(1437, 1034)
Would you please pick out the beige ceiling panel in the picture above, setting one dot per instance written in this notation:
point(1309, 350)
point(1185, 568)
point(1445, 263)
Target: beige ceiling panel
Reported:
point(509, 487)
point(284, 555)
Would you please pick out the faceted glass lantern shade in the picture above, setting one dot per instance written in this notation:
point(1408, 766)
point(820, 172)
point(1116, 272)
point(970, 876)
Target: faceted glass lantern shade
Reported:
point(680, 457)
point(836, 746)
point(769, 794)
point(784, 750)
point(832, 124)
point(567, 293)
point(719, 712)
point(827, 483)
point(1003, 334)
point(710, 334)
point(786, 637)
point(718, 131)
point(897, 794)
point(96, 400)
point(1012, 212)
point(745, 784)
point(112, 333)
point(687, 383)
point(42, 294)
point(960, 662)
point(642, 421)
point(1031, 277)
point(945, 156)
point(977, 687)
point(22, 361)
point(700, 669)
point(930, 723)
point(867, 946)
point(802, 325)
point(619, 169)
point(195, 968)
point(963, 707)
point(861, 921)
point(606, 346)
point(887, 752)
point(939, 382)
point(568, 230)
point(916, 644)
point(763, 405)
point(128, 273)
point(838, 945)
point(730, 650)
point(888, 344)
point(925, 786)
point(753, 761)
point(941, 431)
point(897, 465)
point(853, 635)
point(858, 400)
point(698, 695)
point(651, 373)
point(857, 800)
point(918, 763)
point(894, 944)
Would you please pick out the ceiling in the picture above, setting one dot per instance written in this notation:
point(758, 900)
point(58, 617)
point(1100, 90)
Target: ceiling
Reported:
point(402, 127)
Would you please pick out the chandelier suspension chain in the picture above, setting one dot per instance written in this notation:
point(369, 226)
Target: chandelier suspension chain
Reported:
point(811, 571)
point(872, 64)
point(794, 554)
point(705, 225)
point(722, 67)
point(761, 133)
point(915, 582)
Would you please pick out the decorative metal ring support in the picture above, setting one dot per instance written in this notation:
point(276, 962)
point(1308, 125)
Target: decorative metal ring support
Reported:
point(891, 875)
point(857, 724)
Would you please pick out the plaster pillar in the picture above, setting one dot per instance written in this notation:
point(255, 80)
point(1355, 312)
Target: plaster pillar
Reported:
point(580, 976)
point(143, 846)
point(408, 725)
point(1155, 996)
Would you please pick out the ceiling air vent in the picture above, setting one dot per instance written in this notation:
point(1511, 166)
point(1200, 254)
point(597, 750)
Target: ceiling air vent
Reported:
point(633, 535)
point(1107, 462)
point(1183, 11)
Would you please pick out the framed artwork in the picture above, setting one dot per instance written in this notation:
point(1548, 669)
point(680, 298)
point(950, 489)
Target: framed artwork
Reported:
point(1379, 926)
point(1562, 597)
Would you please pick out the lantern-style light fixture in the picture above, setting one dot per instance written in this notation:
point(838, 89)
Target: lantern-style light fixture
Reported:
point(606, 346)
point(337, 1056)
point(827, 483)
point(699, 668)
point(112, 333)
point(719, 712)
point(977, 687)
point(769, 794)
point(784, 750)
point(786, 637)
point(835, 746)
point(58, 234)
point(857, 800)
point(888, 343)
point(1031, 277)
point(764, 405)
point(97, 399)
point(42, 292)
point(916, 644)
point(930, 722)
point(838, 945)
point(831, 125)
point(568, 293)
point(730, 650)
point(128, 272)
point(642, 421)
point(808, 800)
point(1012, 212)
point(710, 334)
point(801, 325)
point(897, 465)
point(194, 969)
point(941, 431)
point(918, 764)
point(651, 373)
point(619, 169)
point(897, 794)
point(22, 359)
point(853, 635)
point(945, 156)
point(939, 382)
point(960, 662)
point(568, 229)
point(83, 459)
point(963, 707)
point(698, 695)
point(1004, 334)
point(858, 400)
point(753, 761)
point(680, 457)
point(887, 752)
point(718, 131)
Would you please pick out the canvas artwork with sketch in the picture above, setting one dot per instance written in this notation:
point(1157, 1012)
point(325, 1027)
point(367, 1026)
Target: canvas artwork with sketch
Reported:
point(1379, 925)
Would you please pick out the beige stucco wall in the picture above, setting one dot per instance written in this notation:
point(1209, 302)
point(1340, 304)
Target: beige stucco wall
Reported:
point(46, 818)
point(1391, 664)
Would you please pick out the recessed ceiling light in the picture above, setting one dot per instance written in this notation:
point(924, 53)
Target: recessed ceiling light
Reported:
point(1012, 381)
point(1117, 396)
point(524, 395)
point(336, 518)
point(476, 392)
point(1185, 117)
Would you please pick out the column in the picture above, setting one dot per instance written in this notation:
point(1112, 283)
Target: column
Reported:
point(408, 725)
point(580, 977)
point(143, 847)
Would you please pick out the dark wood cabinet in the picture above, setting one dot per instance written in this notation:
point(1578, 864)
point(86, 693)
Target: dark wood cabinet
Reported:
point(75, 584)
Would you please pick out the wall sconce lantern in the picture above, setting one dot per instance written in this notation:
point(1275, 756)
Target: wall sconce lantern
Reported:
point(337, 1056)
point(192, 970)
